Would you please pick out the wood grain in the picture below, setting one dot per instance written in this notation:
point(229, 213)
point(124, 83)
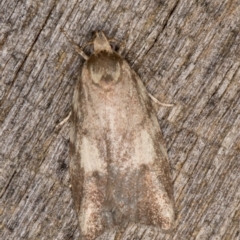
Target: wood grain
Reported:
point(185, 52)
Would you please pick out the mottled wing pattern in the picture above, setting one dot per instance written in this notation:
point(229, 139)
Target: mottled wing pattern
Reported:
point(119, 165)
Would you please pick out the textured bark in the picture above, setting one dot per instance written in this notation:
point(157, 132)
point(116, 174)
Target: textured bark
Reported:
point(185, 52)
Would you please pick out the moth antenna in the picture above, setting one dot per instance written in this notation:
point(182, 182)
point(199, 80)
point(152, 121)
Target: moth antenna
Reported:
point(77, 48)
point(122, 47)
point(88, 43)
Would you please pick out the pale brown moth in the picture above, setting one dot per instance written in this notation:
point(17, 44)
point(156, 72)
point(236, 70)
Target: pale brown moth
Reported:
point(119, 165)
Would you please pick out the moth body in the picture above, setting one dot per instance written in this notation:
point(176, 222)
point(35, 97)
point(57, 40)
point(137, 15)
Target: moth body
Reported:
point(119, 165)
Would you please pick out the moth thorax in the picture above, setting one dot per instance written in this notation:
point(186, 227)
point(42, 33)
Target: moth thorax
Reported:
point(104, 69)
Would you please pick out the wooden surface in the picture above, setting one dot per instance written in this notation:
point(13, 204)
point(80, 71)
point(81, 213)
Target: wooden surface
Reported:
point(186, 52)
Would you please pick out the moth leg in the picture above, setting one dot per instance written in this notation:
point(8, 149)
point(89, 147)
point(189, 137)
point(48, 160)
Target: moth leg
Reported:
point(119, 234)
point(158, 102)
point(157, 205)
point(64, 120)
point(77, 48)
point(143, 89)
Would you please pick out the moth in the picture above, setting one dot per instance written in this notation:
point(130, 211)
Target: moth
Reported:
point(119, 165)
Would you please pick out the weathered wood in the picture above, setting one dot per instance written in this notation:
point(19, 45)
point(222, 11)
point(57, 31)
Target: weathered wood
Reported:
point(186, 53)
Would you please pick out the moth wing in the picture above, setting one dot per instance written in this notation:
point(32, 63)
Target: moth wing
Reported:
point(157, 201)
point(76, 171)
point(119, 165)
point(140, 176)
point(87, 167)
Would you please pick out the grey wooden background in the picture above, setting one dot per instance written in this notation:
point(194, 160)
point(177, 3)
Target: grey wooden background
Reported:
point(186, 52)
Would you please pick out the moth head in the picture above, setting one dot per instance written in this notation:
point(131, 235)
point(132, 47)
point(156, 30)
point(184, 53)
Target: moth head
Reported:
point(101, 43)
point(104, 67)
